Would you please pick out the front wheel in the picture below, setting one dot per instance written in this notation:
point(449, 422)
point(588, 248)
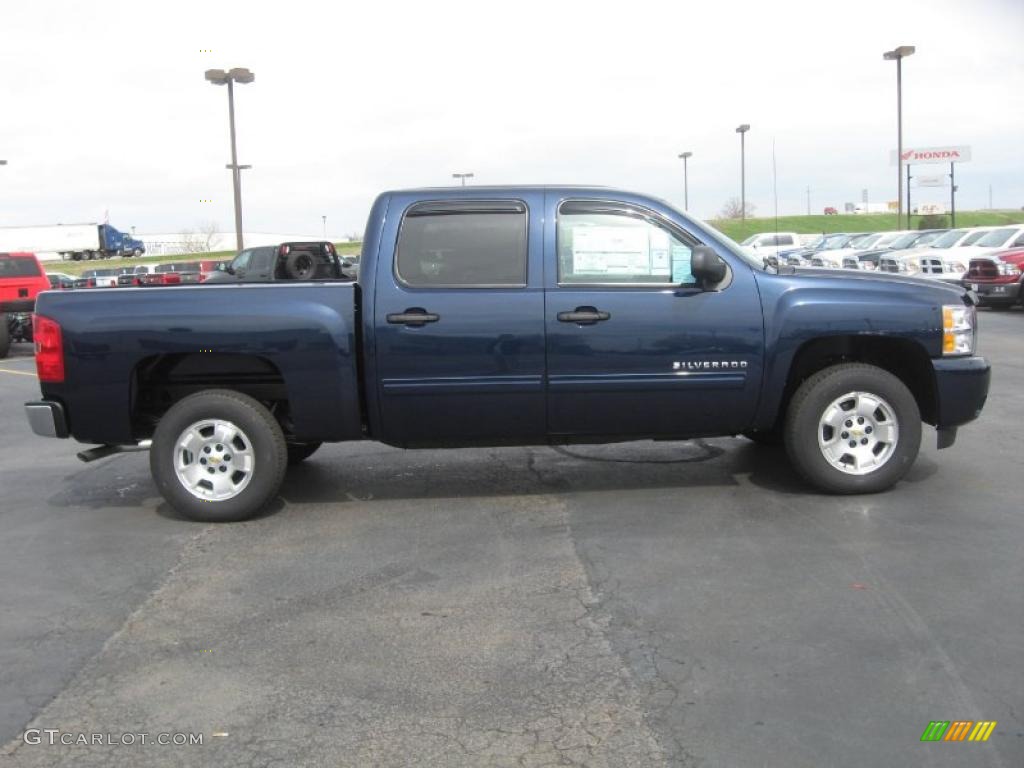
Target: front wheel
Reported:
point(218, 456)
point(853, 428)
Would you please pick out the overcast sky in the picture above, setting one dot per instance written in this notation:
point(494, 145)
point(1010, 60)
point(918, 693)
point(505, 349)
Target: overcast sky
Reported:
point(104, 106)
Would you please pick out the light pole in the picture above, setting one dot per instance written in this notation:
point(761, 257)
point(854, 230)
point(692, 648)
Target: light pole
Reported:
point(220, 77)
point(325, 226)
point(897, 55)
point(686, 180)
point(742, 131)
point(462, 176)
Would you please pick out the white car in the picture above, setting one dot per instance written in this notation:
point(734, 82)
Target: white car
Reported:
point(833, 257)
point(770, 243)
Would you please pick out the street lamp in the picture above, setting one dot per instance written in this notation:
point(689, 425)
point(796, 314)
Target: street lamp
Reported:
point(684, 156)
point(897, 55)
point(462, 176)
point(220, 77)
point(742, 131)
point(325, 226)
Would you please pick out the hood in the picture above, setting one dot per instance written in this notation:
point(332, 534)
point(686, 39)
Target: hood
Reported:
point(854, 279)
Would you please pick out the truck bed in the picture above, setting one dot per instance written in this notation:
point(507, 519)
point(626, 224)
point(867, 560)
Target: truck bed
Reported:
point(129, 349)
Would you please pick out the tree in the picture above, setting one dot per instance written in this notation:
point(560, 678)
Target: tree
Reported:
point(201, 239)
point(208, 230)
point(733, 209)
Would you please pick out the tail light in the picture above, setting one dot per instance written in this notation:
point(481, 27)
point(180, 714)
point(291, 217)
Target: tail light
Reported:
point(49, 349)
point(170, 278)
point(283, 250)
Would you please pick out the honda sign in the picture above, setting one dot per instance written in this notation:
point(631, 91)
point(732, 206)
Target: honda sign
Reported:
point(933, 155)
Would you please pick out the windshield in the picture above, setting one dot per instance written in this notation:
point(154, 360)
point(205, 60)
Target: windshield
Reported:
point(903, 241)
point(835, 241)
point(949, 239)
point(864, 241)
point(926, 238)
point(996, 237)
point(18, 266)
point(974, 237)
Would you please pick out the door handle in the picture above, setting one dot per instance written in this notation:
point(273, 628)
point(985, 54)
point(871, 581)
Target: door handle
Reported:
point(583, 316)
point(414, 317)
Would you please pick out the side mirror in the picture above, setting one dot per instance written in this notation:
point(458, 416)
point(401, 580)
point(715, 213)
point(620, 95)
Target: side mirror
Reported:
point(229, 269)
point(707, 266)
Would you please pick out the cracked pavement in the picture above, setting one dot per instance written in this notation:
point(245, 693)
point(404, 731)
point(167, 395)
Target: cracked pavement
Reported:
point(644, 604)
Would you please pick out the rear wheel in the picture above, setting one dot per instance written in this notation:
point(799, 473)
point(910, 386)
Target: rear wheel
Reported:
point(853, 428)
point(218, 456)
point(299, 452)
point(300, 265)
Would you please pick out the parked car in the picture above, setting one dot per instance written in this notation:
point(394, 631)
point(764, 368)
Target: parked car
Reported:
point(60, 281)
point(802, 257)
point(831, 211)
point(131, 277)
point(21, 280)
point(989, 242)
point(97, 278)
point(316, 260)
point(998, 278)
point(943, 258)
point(833, 257)
point(770, 243)
point(174, 273)
point(511, 315)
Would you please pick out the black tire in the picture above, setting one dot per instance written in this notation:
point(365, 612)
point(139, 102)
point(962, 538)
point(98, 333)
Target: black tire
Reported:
point(299, 452)
point(137, 253)
point(300, 265)
point(270, 455)
point(808, 406)
point(5, 336)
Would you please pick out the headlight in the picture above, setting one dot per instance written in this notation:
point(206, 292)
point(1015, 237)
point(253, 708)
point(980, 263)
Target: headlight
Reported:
point(955, 266)
point(1006, 268)
point(910, 266)
point(958, 329)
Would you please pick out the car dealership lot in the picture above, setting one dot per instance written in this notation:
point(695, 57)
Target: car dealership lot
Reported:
point(638, 604)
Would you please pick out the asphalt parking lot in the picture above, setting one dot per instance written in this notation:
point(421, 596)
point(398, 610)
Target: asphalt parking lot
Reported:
point(646, 604)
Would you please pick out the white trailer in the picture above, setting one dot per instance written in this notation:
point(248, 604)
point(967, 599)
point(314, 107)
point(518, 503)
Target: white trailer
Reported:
point(74, 241)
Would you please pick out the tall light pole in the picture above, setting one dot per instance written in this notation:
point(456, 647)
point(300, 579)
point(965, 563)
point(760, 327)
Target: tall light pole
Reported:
point(686, 180)
point(897, 55)
point(462, 176)
point(742, 131)
point(242, 76)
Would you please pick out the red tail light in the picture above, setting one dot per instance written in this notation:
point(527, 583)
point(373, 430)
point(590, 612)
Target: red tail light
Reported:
point(49, 349)
point(170, 278)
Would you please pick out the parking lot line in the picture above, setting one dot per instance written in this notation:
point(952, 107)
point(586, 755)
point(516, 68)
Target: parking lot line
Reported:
point(17, 373)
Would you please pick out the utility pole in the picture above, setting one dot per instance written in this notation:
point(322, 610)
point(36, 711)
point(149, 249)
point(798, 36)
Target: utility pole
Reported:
point(808, 201)
point(742, 131)
point(462, 176)
point(686, 180)
point(325, 226)
point(897, 55)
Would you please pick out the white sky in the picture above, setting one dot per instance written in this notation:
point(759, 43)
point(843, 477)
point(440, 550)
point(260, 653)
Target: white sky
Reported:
point(104, 106)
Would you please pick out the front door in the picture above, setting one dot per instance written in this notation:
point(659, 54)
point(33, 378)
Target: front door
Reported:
point(634, 346)
point(459, 325)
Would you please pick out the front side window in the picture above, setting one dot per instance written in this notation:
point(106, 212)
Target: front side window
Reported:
point(463, 244)
point(241, 260)
point(597, 245)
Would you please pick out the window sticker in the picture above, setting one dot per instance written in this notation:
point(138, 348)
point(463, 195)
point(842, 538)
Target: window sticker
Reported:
point(610, 250)
point(681, 257)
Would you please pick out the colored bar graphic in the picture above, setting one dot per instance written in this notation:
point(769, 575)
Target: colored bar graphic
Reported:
point(935, 730)
point(958, 730)
point(983, 730)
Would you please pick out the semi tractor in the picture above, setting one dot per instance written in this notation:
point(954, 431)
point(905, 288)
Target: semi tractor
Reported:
point(71, 241)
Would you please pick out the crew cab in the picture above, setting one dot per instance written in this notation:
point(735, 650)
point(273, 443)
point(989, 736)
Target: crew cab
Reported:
point(510, 316)
point(998, 279)
point(21, 279)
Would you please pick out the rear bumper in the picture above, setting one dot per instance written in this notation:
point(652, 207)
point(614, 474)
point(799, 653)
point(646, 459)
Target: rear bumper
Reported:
point(25, 306)
point(961, 385)
point(47, 418)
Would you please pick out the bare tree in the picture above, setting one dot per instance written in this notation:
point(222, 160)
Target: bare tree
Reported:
point(191, 241)
point(208, 230)
point(733, 209)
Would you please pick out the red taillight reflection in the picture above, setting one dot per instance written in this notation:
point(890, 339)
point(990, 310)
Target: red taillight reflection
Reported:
point(49, 349)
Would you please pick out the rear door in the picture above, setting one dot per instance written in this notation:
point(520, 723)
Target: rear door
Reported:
point(459, 323)
point(635, 348)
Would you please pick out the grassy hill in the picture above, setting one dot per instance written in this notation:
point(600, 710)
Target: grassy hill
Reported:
point(871, 222)
point(78, 267)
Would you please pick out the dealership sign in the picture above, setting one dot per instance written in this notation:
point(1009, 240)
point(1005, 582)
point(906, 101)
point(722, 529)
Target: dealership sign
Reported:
point(932, 181)
point(933, 155)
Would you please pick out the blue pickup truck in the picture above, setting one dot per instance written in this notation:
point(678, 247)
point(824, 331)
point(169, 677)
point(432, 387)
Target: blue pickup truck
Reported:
point(511, 316)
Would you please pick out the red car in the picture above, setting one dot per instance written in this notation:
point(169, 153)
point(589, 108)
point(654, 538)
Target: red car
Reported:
point(830, 211)
point(998, 279)
point(21, 280)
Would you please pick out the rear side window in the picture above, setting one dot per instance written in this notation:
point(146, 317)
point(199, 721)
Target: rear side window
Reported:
point(18, 267)
point(261, 258)
point(463, 244)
